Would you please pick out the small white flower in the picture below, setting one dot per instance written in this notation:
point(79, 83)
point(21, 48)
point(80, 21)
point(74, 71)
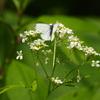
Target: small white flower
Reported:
point(45, 52)
point(56, 80)
point(73, 38)
point(78, 78)
point(95, 63)
point(37, 44)
point(24, 38)
point(90, 51)
point(49, 51)
point(74, 43)
point(69, 31)
point(62, 30)
point(20, 55)
point(46, 60)
point(37, 64)
point(57, 60)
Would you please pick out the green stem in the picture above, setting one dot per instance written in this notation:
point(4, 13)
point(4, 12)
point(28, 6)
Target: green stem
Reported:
point(74, 69)
point(43, 67)
point(35, 72)
point(54, 58)
point(54, 65)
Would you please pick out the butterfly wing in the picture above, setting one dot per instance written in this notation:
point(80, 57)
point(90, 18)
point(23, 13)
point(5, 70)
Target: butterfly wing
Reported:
point(53, 31)
point(44, 29)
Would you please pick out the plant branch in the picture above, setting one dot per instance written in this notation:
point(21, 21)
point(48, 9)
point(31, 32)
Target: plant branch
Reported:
point(54, 65)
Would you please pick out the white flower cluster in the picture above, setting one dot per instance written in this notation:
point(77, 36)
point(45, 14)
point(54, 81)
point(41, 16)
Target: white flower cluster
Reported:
point(45, 52)
point(34, 45)
point(37, 44)
point(74, 42)
point(78, 78)
point(27, 34)
point(90, 51)
point(46, 60)
point(95, 63)
point(56, 80)
point(62, 30)
point(58, 31)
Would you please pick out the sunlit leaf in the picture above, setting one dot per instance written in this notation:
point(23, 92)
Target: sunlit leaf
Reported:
point(89, 93)
point(69, 85)
point(4, 89)
point(34, 86)
point(19, 72)
point(87, 76)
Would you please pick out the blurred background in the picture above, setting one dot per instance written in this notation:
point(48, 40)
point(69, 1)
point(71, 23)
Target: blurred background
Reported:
point(16, 16)
point(66, 7)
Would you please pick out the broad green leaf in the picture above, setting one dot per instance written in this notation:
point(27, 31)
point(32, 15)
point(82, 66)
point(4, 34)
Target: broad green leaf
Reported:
point(89, 93)
point(4, 96)
point(95, 20)
point(75, 23)
point(87, 76)
point(6, 40)
point(6, 88)
point(69, 85)
point(19, 72)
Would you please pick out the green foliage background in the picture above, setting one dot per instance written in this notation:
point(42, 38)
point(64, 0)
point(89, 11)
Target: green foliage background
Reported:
point(12, 71)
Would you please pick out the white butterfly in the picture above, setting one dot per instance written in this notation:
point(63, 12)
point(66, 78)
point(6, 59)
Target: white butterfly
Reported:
point(47, 30)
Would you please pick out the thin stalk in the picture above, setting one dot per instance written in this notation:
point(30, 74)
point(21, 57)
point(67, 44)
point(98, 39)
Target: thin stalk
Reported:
point(74, 69)
point(35, 73)
point(43, 67)
point(53, 65)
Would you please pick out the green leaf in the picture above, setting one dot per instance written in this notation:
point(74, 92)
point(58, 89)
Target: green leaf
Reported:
point(89, 93)
point(69, 85)
point(75, 23)
point(19, 72)
point(4, 89)
point(4, 96)
point(87, 76)
point(6, 39)
point(34, 85)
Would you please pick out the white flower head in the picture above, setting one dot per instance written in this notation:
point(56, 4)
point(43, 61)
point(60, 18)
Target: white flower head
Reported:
point(56, 80)
point(27, 34)
point(57, 60)
point(78, 78)
point(37, 64)
point(90, 51)
point(24, 38)
point(45, 52)
point(46, 60)
point(62, 30)
point(74, 42)
point(20, 55)
point(37, 44)
point(69, 31)
point(95, 63)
